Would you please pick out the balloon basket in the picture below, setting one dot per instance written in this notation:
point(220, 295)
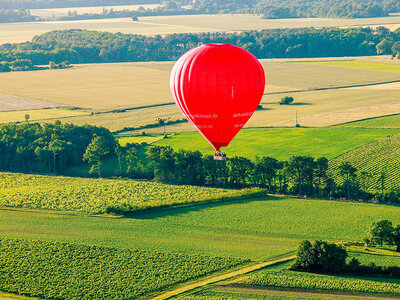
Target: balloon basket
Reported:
point(219, 155)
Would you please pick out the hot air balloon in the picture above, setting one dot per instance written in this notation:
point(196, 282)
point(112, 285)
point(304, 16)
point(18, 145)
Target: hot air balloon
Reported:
point(217, 87)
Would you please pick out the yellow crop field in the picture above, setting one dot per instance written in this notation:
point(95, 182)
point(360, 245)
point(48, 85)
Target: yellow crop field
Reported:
point(14, 32)
point(38, 114)
point(60, 12)
point(320, 98)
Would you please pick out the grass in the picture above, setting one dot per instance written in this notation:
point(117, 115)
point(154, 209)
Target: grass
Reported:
point(359, 65)
point(392, 121)
point(281, 276)
point(13, 32)
point(261, 229)
point(138, 139)
point(71, 271)
point(374, 158)
point(39, 114)
point(283, 143)
point(103, 195)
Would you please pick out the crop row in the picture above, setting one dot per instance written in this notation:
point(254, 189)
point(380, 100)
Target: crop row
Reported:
point(374, 158)
point(55, 270)
point(102, 195)
point(282, 277)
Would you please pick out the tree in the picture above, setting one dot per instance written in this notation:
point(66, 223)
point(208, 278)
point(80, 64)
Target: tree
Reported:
point(265, 169)
point(56, 146)
point(286, 100)
point(300, 167)
point(348, 172)
point(321, 169)
point(320, 257)
point(396, 237)
point(381, 232)
point(381, 180)
point(240, 168)
point(27, 117)
point(95, 153)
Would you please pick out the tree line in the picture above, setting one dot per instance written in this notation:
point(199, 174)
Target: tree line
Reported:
point(84, 46)
point(53, 148)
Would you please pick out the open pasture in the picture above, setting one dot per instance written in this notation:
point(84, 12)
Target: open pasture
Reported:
point(283, 143)
point(253, 229)
point(375, 158)
point(20, 32)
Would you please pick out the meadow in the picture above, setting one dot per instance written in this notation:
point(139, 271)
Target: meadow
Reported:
point(14, 32)
point(71, 271)
point(260, 229)
point(9, 103)
point(375, 158)
point(282, 143)
point(104, 195)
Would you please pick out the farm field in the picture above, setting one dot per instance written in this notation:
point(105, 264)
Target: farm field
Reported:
point(392, 121)
point(72, 271)
point(375, 158)
point(280, 276)
point(283, 143)
point(14, 32)
point(39, 114)
point(8, 103)
point(359, 65)
point(61, 12)
point(146, 84)
point(260, 229)
point(98, 196)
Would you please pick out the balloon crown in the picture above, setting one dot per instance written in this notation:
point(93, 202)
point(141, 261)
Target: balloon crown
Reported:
point(217, 44)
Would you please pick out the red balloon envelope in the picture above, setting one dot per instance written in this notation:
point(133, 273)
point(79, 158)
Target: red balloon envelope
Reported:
point(217, 87)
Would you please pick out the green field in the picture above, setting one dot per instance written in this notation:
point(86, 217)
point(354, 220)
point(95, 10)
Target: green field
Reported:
point(392, 121)
point(260, 229)
point(139, 139)
point(374, 158)
point(101, 195)
point(283, 143)
point(72, 271)
point(280, 276)
point(359, 65)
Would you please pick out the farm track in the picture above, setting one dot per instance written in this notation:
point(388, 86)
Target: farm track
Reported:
point(248, 269)
point(295, 292)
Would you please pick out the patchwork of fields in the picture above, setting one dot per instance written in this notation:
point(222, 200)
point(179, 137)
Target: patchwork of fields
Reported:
point(321, 98)
point(13, 32)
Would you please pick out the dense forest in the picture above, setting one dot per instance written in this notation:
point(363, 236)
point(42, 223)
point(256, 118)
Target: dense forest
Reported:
point(83, 46)
point(53, 148)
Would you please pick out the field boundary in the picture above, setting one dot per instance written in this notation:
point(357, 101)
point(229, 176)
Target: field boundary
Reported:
point(248, 269)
